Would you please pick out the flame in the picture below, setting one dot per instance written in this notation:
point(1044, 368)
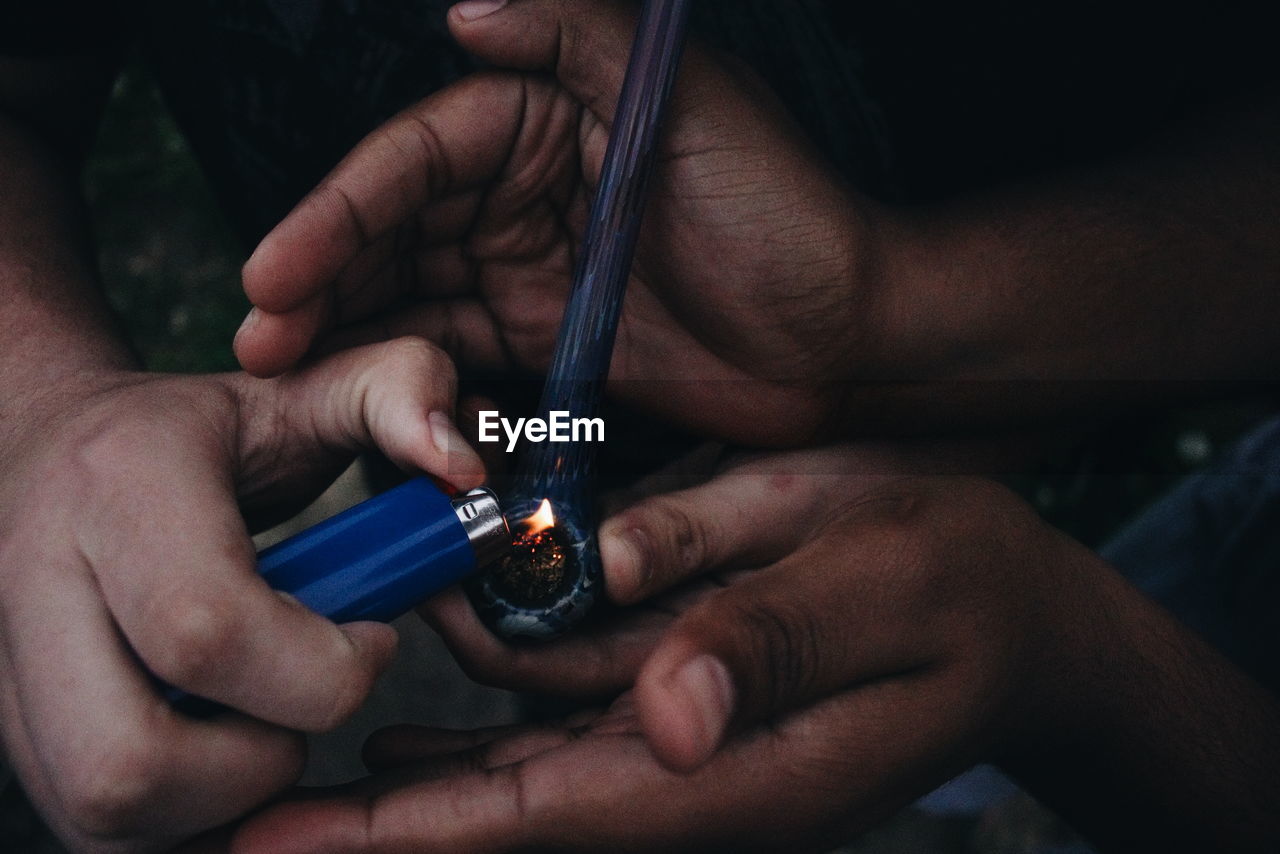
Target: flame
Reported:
point(543, 520)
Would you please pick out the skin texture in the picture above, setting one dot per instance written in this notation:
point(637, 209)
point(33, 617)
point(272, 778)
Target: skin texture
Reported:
point(770, 305)
point(814, 651)
point(122, 525)
point(122, 542)
point(471, 205)
point(888, 658)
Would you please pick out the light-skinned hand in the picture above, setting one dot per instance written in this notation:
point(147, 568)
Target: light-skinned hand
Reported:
point(123, 547)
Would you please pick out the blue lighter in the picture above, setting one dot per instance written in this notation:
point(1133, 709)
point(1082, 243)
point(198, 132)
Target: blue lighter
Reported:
point(381, 558)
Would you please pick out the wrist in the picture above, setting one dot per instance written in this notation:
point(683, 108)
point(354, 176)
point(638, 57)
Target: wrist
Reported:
point(45, 401)
point(944, 329)
point(902, 335)
point(1141, 735)
point(939, 321)
point(1090, 665)
point(855, 337)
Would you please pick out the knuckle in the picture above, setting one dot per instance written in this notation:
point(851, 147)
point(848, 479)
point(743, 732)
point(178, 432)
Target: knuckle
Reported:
point(191, 639)
point(101, 456)
point(684, 537)
point(490, 670)
point(434, 153)
point(109, 793)
point(411, 357)
point(896, 523)
point(570, 35)
point(335, 711)
point(784, 643)
point(342, 701)
point(327, 700)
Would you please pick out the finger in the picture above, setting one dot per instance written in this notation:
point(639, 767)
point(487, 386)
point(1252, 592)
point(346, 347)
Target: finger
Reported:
point(508, 808)
point(16, 746)
point(587, 665)
point(740, 518)
point(496, 460)
point(397, 396)
point(585, 43)
point(179, 574)
point(426, 749)
point(451, 143)
point(119, 762)
point(405, 744)
point(396, 746)
point(833, 614)
point(841, 766)
point(269, 344)
point(462, 327)
point(599, 792)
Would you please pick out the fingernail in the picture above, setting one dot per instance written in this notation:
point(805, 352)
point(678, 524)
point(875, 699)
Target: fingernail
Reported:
point(463, 460)
point(707, 688)
point(250, 320)
point(624, 553)
point(443, 434)
point(470, 10)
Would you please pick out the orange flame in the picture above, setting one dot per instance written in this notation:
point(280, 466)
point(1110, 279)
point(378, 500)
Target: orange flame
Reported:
point(543, 520)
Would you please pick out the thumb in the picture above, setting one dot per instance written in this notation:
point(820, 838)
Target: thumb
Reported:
point(813, 624)
point(743, 518)
point(397, 396)
point(585, 43)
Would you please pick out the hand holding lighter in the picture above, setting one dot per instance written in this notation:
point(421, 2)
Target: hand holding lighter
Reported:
point(381, 558)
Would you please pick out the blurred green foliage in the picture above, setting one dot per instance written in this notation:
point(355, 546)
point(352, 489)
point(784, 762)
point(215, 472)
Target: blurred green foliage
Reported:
point(170, 262)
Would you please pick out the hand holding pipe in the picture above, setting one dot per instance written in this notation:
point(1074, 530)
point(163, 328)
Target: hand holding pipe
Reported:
point(563, 474)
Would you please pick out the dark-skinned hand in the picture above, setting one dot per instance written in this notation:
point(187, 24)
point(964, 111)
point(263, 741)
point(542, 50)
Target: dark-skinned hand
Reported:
point(460, 220)
point(817, 649)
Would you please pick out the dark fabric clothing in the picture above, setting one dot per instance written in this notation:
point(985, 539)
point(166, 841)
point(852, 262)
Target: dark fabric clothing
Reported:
point(1210, 553)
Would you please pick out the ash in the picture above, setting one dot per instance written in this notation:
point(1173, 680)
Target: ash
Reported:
point(539, 568)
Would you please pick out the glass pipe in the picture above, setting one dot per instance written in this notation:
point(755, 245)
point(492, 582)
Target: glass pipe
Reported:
point(552, 578)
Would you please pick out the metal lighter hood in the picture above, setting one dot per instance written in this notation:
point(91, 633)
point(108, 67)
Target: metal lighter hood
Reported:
point(487, 529)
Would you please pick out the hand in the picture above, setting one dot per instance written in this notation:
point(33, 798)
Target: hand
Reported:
point(878, 635)
point(756, 274)
point(121, 540)
point(769, 305)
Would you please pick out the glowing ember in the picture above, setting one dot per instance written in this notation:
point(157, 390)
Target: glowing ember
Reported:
point(543, 520)
point(540, 566)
